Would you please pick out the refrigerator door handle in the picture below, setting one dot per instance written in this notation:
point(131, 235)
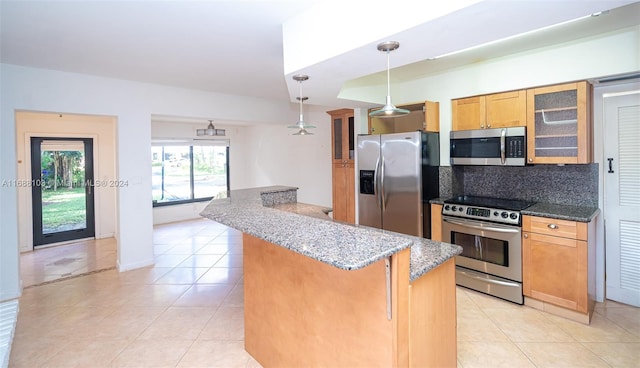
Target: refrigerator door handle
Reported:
point(376, 189)
point(383, 195)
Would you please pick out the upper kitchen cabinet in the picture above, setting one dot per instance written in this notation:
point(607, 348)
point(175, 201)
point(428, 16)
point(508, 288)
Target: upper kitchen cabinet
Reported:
point(559, 124)
point(423, 116)
point(498, 110)
point(468, 113)
point(342, 133)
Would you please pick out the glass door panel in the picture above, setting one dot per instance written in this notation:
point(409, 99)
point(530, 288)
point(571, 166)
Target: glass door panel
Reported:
point(337, 139)
point(62, 191)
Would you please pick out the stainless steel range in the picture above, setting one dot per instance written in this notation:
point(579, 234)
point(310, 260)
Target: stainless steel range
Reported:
point(489, 231)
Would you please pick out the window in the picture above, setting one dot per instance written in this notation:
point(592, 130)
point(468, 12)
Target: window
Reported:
point(184, 172)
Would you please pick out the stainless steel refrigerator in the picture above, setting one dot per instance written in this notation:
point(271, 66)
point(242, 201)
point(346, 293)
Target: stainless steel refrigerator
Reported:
point(398, 175)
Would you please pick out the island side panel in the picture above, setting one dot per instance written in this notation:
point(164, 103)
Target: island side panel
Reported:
point(400, 269)
point(433, 318)
point(300, 312)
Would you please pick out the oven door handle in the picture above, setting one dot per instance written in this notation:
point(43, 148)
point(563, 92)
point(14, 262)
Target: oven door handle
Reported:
point(490, 281)
point(481, 227)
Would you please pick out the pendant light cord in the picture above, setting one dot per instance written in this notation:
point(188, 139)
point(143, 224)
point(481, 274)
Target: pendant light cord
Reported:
point(300, 102)
point(388, 76)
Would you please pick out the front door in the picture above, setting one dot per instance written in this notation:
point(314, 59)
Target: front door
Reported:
point(62, 190)
point(622, 195)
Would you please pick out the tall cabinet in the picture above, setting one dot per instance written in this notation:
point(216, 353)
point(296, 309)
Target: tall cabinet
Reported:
point(343, 168)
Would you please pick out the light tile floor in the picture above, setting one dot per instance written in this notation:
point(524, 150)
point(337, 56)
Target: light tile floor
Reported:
point(65, 261)
point(187, 311)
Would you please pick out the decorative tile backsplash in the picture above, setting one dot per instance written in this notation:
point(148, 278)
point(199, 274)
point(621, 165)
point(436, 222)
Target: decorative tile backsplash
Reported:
point(567, 185)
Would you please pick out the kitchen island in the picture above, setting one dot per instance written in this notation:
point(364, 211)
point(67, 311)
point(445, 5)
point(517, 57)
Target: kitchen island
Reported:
point(325, 293)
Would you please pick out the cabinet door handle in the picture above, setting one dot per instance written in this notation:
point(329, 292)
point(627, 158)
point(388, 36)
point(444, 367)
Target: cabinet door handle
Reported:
point(610, 165)
point(553, 226)
point(526, 236)
point(481, 125)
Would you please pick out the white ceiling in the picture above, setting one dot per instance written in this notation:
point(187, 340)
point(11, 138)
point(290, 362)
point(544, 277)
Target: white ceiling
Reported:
point(236, 47)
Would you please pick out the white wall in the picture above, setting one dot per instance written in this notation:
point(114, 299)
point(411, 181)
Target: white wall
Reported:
point(132, 104)
point(102, 130)
point(609, 54)
point(277, 156)
point(261, 155)
point(604, 55)
point(271, 159)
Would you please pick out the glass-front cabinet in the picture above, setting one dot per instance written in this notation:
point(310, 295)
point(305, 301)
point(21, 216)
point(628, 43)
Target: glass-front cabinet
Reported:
point(559, 124)
point(343, 168)
point(342, 131)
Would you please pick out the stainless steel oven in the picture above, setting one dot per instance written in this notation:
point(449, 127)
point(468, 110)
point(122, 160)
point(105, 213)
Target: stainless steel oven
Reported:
point(491, 241)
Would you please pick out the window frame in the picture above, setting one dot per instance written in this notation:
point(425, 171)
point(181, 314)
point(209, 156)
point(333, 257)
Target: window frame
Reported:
point(191, 144)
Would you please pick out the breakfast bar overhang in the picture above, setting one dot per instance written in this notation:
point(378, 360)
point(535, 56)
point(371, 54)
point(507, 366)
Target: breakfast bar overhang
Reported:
point(324, 293)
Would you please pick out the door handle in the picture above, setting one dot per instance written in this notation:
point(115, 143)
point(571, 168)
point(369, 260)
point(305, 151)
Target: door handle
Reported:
point(610, 165)
point(491, 281)
point(481, 227)
point(376, 188)
point(382, 193)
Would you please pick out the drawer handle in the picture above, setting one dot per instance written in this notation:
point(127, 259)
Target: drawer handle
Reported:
point(552, 226)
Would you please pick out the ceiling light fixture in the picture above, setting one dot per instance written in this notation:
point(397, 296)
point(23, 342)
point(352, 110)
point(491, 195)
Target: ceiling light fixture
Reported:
point(301, 125)
point(210, 130)
point(388, 110)
point(520, 35)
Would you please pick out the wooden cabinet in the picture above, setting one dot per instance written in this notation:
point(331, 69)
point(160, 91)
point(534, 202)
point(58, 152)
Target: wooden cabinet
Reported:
point(559, 124)
point(468, 113)
point(507, 109)
point(344, 203)
point(343, 151)
point(436, 222)
point(557, 262)
point(423, 116)
point(299, 312)
point(498, 110)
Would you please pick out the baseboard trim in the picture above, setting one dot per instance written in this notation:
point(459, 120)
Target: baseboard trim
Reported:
point(133, 266)
point(558, 311)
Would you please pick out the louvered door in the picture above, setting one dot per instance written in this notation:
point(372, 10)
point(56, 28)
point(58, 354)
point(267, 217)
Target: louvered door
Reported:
point(622, 196)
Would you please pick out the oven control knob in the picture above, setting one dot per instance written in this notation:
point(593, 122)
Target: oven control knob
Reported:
point(504, 214)
point(496, 213)
point(447, 207)
point(513, 216)
point(454, 208)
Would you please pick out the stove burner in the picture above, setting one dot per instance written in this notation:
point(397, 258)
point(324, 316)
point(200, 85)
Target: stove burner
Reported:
point(498, 210)
point(490, 202)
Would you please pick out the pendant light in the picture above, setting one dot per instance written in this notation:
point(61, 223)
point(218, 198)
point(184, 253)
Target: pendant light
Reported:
point(301, 125)
point(388, 110)
point(210, 130)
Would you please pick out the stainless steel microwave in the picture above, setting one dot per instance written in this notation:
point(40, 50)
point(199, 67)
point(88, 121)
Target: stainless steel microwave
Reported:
point(498, 146)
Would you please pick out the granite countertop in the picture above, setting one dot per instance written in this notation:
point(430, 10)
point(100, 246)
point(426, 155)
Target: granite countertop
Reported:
point(305, 209)
point(562, 212)
point(552, 210)
point(273, 214)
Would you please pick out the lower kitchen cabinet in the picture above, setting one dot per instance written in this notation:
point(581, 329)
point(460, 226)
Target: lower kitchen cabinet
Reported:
point(558, 266)
point(436, 222)
point(344, 204)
